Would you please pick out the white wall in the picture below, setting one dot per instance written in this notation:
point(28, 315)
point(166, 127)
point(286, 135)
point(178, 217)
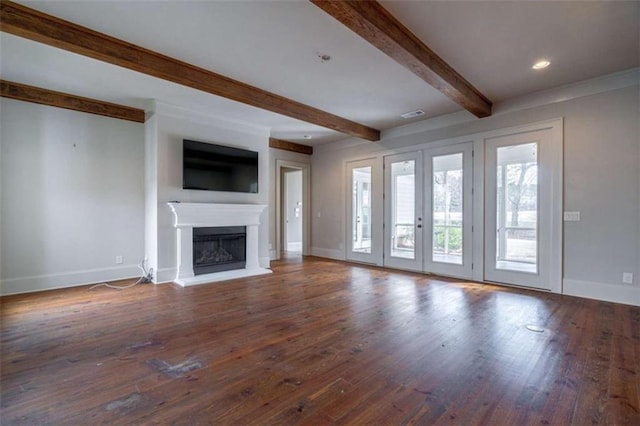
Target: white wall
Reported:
point(165, 132)
point(601, 180)
point(72, 190)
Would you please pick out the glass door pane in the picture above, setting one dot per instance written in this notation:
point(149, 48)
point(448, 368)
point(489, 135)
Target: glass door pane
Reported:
point(447, 208)
point(403, 238)
point(517, 208)
point(361, 211)
point(363, 239)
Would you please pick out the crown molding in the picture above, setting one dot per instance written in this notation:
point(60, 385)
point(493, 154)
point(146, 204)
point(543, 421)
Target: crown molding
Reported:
point(580, 89)
point(594, 86)
point(160, 108)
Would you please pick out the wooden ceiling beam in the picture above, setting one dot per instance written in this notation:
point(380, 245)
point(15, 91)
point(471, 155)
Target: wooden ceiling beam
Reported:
point(290, 146)
point(34, 25)
point(22, 92)
point(376, 25)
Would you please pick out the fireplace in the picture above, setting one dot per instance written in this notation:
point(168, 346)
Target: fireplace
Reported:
point(217, 249)
point(216, 225)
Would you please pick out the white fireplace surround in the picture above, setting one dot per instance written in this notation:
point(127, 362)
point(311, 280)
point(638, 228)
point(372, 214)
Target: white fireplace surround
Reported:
point(197, 215)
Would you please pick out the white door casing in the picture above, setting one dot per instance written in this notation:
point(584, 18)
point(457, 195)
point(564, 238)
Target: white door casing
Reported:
point(526, 252)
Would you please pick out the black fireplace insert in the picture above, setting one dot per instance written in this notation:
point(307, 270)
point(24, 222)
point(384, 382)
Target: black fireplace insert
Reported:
point(217, 249)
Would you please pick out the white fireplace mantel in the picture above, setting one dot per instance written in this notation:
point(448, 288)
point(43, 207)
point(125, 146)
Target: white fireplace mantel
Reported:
point(196, 215)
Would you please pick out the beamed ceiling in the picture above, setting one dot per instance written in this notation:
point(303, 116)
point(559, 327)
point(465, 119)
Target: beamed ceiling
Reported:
point(326, 70)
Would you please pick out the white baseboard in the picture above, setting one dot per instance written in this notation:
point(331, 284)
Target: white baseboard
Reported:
point(328, 253)
point(297, 247)
point(67, 279)
point(618, 293)
point(264, 262)
point(272, 255)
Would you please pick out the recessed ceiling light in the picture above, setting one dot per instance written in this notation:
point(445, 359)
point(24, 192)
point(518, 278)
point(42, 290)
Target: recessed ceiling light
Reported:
point(541, 64)
point(307, 137)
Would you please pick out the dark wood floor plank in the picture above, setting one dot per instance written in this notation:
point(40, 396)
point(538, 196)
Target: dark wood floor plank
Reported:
point(593, 401)
point(624, 380)
point(561, 403)
point(317, 342)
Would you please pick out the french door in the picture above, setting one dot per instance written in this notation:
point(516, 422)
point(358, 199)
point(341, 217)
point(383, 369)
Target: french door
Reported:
point(518, 209)
point(428, 210)
point(449, 210)
point(362, 242)
point(403, 224)
point(426, 205)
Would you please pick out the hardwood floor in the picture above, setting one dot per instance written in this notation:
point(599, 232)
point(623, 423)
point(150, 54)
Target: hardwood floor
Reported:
point(318, 342)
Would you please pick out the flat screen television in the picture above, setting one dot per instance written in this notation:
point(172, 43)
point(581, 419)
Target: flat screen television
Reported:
point(212, 167)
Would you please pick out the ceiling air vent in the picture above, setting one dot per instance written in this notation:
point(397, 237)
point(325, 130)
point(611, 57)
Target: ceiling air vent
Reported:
point(412, 114)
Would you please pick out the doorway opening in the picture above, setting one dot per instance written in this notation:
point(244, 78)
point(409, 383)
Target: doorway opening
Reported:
point(292, 212)
point(292, 209)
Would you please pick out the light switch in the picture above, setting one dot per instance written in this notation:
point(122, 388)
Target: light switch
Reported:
point(572, 216)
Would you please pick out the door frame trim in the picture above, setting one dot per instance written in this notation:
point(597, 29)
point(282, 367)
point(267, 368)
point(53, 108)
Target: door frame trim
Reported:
point(556, 129)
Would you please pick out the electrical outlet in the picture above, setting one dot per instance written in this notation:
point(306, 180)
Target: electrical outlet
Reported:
point(572, 216)
point(627, 278)
point(119, 260)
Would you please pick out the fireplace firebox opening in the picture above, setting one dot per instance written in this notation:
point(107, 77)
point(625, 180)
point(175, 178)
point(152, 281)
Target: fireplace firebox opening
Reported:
point(217, 249)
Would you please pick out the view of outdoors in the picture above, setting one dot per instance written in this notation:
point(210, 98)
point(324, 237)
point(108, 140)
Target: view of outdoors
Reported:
point(447, 209)
point(403, 179)
point(361, 209)
point(517, 208)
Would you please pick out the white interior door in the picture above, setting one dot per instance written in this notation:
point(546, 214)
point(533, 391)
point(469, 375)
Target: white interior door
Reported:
point(403, 223)
point(518, 209)
point(361, 236)
point(449, 210)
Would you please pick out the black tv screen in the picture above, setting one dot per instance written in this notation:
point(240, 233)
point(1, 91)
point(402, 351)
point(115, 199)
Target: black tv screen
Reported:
point(212, 167)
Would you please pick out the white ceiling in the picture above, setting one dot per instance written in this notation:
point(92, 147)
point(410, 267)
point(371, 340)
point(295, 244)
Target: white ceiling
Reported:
point(493, 44)
point(275, 45)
